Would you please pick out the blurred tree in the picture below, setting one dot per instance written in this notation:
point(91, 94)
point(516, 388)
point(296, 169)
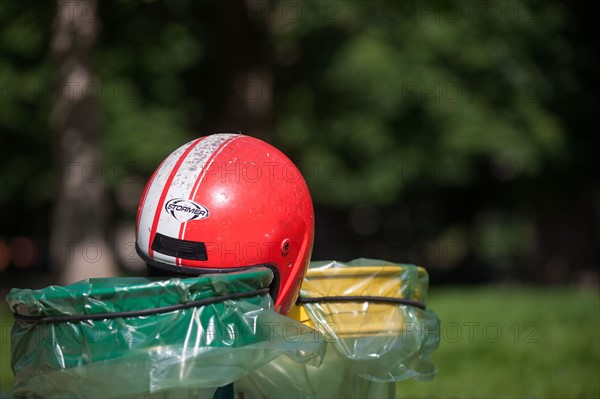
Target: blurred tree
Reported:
point(433, 121)
point(80, 228)
point(434, 132)
point(418, 93)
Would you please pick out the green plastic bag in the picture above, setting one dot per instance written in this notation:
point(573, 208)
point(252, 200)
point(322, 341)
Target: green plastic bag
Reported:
point(142, 337)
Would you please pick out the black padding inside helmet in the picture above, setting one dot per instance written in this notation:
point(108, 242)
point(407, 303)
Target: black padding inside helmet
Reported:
point(193, 250)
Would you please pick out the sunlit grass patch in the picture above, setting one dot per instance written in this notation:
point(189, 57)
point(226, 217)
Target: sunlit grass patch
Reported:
point(514, 342)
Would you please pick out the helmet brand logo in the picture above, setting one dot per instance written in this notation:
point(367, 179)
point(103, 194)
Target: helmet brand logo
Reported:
point(185, 210)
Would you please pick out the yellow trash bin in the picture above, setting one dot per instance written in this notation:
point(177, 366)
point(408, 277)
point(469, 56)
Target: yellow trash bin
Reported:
point(378, 330)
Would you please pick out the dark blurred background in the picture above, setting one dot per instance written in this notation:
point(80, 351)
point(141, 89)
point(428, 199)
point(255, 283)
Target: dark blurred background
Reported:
point(456, 135)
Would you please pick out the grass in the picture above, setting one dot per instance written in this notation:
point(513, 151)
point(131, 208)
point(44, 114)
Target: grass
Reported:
point(497, 342)
point(6, 376)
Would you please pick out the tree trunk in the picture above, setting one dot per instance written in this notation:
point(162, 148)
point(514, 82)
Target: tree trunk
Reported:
point(79, 245)
point(248, 80)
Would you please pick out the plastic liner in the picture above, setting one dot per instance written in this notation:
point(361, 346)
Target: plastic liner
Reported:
point(182, 353)
point(378, 333)
point(382, 340)
point(285, 378)
point(359, 328)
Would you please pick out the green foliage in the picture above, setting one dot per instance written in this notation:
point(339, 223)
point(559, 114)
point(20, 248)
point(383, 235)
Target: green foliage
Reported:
point(391, 104)
point(27, 176)
point(388, 85)
point(422, 87)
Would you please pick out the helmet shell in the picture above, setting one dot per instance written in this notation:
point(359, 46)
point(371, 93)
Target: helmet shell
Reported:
point(227, 202)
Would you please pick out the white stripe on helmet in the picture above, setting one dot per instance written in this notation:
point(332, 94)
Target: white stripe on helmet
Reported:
point(194, 164)
point(153, 196)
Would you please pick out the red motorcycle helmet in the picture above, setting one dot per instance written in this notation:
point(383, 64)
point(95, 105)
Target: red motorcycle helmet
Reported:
point(225, 203)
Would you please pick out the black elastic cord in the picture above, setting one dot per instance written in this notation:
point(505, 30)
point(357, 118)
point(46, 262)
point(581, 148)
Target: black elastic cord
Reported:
point(138, 313)
point(363, 298)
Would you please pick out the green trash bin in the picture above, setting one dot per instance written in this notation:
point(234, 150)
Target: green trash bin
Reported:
point(149, 337)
